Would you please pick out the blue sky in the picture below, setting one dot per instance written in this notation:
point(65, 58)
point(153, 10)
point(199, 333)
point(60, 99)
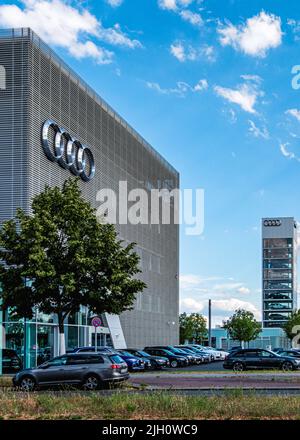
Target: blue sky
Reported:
point(208, 84)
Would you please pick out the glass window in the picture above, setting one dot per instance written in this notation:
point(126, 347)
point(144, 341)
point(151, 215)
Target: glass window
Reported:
point(62, 360)
point(277, 274)
point(278, 305)
point(116, 359)
point(278, 253)
point(278, 243)
point(277, 264)
point(277, 285)
point(251, 353)
point(265, 354)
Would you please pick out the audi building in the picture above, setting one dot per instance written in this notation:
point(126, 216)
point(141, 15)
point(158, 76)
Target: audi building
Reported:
point(53, 126)
point(279, 261)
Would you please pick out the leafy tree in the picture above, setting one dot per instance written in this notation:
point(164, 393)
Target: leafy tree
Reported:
point(290, 325)
point(242, 326)
point(61, 256)
point(192, 326)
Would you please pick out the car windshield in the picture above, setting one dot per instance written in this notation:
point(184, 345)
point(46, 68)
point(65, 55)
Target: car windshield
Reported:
point(168, 352)
point(126, 353)
point(143, 353)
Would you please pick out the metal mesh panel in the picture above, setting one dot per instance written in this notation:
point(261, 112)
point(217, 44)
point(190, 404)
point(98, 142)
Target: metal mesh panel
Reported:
point(40, 86)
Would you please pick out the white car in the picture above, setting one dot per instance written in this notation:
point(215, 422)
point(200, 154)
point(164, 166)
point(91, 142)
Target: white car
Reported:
point(217, 355)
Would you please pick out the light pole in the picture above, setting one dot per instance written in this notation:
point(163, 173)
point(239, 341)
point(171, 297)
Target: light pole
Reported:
point(209, 322)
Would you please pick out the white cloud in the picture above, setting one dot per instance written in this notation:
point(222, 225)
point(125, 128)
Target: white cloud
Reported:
point(168, 4)
point(294, 112)
point(201, 85)
point(191, 17)
point(286, 153)
point(258, 132)
point(231, 287)
point(179, 7)
point(208, 52)
point(221, 309)
point(181, 89)
point(295, 27)
point(62, 25)
point(256, 78)
point(184, 52)
point(259, 34)
point(114, 3)
point(244, 95)
point(181, 53)
point(191, 305)
point(232, 304)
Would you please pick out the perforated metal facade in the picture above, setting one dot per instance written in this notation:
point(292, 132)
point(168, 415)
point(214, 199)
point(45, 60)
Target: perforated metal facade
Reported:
point(40, 86)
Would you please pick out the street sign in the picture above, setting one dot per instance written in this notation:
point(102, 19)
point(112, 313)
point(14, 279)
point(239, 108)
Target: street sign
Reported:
point(96, 322)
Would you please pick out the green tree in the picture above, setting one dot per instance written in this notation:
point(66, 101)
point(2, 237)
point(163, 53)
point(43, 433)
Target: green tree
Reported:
point(290, 327)
point(61, 256)
point(242, 326)
point(192, 327)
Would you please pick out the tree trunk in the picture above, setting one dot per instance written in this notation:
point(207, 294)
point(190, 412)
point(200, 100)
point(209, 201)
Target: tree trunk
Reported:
point(62, 340)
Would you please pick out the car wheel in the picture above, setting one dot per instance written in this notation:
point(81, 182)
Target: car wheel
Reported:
point(238, 366)
point(91, 383)
point(174, 364)
point(287, 366)
point(28, 384)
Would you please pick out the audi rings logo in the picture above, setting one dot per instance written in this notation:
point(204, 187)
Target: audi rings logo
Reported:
point(69, 153)
point(272, 223)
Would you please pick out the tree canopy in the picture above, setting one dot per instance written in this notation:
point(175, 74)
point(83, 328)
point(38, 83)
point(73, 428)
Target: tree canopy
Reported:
point(61, 256)
point(242, 326)
point(290, 327)
point(192, 327)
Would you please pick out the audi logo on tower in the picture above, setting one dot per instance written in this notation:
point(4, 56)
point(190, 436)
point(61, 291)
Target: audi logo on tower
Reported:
point(272, 222)
point(69, 153)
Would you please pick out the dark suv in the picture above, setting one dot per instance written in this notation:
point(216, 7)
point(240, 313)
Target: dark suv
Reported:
point(257, 358)
point(90, 370)
point(11, 363)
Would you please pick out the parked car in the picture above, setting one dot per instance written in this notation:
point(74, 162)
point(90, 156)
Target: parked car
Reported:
point(278, 296)
point(134, 363)
point(291, 353)
point(174, 359)
point(92, 349)
point(189, 358)
point(275, 316)
point(216, 355)
point(90, 370)
point(157, 362)
point(11, 362)
point(204, 354)
point(258, 358)
point(198, 358)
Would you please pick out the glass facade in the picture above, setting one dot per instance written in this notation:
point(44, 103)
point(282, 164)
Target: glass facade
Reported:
point(37, 340)
point(278, 271)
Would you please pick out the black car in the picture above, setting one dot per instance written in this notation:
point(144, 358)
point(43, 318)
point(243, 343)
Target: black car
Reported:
point(189, 358)
point(258, 358)
point(11, 362)
point(291, 353)
point(198, 358)
point(90, 370)
point(175, 360)
point(156, 362)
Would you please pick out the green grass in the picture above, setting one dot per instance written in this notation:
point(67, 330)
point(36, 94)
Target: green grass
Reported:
point(161, 405)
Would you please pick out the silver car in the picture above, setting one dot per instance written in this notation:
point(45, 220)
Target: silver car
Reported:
point(89, 370)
